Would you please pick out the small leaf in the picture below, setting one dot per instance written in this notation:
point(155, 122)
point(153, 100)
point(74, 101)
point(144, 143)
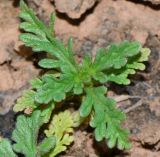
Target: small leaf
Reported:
point(145, 52)
point(120, 76)
point(62, 119)
point(36, 83)
point(47, 111)
point(78, 88)
point(47, 144)
point(51, 24)
point(26, 133)
point(86, 106)
point(6, 149)
point(101, 77)
point(116, 55)
point(26, 101)
point(52, 89)
point(49, 63)
point(60, 127)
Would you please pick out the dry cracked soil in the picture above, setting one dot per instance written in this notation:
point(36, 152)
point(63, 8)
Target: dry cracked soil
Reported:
point(92, 24)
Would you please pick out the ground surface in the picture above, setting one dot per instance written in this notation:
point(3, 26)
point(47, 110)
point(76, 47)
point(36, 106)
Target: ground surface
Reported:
point(92, 24)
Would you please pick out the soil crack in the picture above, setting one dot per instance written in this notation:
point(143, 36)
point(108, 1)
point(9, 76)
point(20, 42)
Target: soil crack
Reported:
point(148, 3)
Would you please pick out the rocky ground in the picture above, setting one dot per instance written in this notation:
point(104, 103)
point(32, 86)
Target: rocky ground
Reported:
point(92, 24)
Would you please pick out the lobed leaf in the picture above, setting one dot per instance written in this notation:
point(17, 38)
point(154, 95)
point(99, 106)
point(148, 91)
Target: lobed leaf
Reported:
point(61, 126)
point(40, 38)
point(120, 76)
point(52, 90)
point(106, 118)
point(116, 55)
point(26, 133)
point(36, 83)
point(26, 101)
point(6, 149)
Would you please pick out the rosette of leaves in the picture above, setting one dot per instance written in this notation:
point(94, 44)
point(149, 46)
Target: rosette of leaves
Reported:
point(87, 79)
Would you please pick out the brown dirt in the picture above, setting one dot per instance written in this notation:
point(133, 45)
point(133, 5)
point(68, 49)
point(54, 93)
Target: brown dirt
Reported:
point(75, 9)
point(15, 70)
point(92, 25)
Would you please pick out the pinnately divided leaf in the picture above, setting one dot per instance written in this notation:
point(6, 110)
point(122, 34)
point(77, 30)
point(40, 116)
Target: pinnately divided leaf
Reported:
point(120, 76)
point(116, 55)
point(53, 89)
point(6, 148)
point(61, 127)
point(40, 38)
point(128, 60)
point(26, 133)
point(106, 118)
point(26, 101)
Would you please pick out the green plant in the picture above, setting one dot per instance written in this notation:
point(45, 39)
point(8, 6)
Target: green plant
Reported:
point(25, 137)
point(65, 78)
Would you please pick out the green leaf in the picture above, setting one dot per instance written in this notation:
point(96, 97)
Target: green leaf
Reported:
point(60, 124)
point(120, 76)
point(51, 24)
point(26, 101)
point(26, 133)
point(61, 127)
point(106, 118)
point(100, 76)
point(47, 111)
point(6, 149)
point(49, 63)
point(116, 55)
point(40, 38)
point(71, 53)
point(78, 88)
point(84, 76)
point(86, 106)
point(136, 63)
point(62, 145)
point(52, 89)
point(46, 145)
point(145, 52)
point(36, 83)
